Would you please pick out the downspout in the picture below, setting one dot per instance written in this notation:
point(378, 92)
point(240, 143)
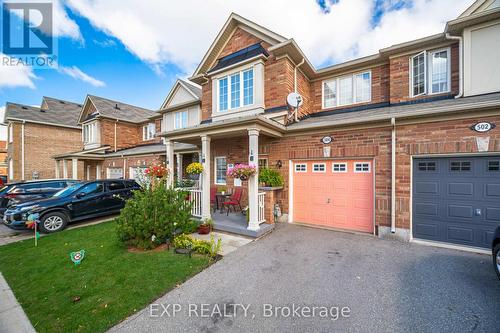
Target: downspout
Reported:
point(295, 85)
point(125, 168)
point(115, 133)
point(460, 64)
point(22, 150)
point(393, 176)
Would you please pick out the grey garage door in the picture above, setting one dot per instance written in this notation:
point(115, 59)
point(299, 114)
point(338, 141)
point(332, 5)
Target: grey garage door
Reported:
point(456, 200)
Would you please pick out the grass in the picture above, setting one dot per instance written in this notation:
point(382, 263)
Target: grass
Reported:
point(111, 282)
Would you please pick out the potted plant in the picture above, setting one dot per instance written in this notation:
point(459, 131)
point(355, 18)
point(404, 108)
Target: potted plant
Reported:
point(242, 171)
point(156, 171)
point(205, 227)
point(270, 178)
point(194, 170)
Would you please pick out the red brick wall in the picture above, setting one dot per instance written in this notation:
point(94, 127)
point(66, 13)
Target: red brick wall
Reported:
point(400, 77)
point(131, 161)
point(239, 40)
point(278, 81)
point(127, 134)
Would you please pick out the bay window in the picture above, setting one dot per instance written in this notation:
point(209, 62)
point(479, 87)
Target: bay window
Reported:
point(430, 72)
point(181, 120)
point(235, 90)
point(346, 90)
point(148, 131)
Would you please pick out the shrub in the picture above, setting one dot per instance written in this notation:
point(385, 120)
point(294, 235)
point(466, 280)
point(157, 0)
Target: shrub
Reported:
point(270, 177)
point(154, 216)
point(211, 248)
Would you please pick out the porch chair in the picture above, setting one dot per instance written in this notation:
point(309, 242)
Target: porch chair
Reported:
point(213, 197)
point(234, 200)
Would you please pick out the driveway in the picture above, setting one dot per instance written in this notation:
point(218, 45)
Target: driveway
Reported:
point(387, 286)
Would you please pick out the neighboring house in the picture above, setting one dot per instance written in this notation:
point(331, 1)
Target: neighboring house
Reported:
point(382, 144)
point(35, 134)
point(3, 158)
point(117, 139)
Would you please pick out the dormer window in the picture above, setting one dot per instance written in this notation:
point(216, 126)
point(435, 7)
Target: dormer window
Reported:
point(148, 131)
point(430, 72)
point(235, 90)
point(90, 133)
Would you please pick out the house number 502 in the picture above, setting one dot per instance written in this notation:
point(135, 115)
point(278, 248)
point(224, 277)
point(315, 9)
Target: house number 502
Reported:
point(482, 127)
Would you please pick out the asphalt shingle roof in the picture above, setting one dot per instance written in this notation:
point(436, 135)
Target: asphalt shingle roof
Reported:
point(57, 112)
point(238, 56)
point(122, 111)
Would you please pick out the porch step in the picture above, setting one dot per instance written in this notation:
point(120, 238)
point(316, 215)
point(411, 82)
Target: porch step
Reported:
point(236, 223)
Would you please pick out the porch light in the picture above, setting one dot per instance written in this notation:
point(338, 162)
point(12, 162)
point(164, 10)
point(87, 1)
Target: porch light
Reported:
point(202, 158)
point(251, 155)
point(279, 164)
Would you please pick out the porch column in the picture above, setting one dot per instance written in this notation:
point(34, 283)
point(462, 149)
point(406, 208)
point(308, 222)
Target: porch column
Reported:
point(74, 166)
point(253, 181)
point(170, 162)
point(179, 166)
point(98, 171)
point(65, 169)
point(58, 176)
point(205, 177)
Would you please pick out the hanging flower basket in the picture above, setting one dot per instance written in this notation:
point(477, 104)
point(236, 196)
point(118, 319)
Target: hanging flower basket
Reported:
point(194, 170)
point(242, 171)
point(156, 171)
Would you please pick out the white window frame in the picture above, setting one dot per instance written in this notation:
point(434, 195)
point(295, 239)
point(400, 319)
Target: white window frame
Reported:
point(428, 72)
point(319, 171)
point(180, 125)
point(11, 133)
point(362, 171)
point(339, 164)
point(242, 96)
point(146, 133)
point(299, 165)
point(91, 136)
point(429, 64)
point(215, 170)
point(337, 87)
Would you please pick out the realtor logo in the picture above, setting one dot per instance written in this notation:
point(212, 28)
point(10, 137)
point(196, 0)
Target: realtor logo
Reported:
point(27, 36)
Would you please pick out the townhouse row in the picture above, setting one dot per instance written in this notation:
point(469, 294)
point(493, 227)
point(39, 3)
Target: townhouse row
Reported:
point(402, 143)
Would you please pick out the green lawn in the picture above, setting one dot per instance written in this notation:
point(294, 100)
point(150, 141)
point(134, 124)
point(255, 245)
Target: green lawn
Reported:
point(111, 282)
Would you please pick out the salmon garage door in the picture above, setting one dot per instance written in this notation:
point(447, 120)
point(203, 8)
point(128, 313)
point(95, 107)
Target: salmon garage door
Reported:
point(336, 194)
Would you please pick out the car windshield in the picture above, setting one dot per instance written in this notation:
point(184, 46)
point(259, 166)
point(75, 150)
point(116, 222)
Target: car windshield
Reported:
point(68, 190)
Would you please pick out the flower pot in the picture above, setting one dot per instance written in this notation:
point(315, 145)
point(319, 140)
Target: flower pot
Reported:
point(194, 176)
point(204, 229)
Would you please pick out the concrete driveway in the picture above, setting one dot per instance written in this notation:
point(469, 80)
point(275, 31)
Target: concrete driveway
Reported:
point(387, 286)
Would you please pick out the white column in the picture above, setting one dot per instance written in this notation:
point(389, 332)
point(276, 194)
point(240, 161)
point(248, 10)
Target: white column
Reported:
point(65, 169)
point(57, 169)
point(170, 162)
point(205, 177)
point(179, 166)
point(98, 171)
point(253, 181)
point(74, 166)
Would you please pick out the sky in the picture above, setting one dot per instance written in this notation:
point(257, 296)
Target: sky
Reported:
point(134, 50)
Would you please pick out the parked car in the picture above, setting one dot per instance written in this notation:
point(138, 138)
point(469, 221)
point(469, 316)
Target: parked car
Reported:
point(77, 202)
point(3, 180)
point(495, 248)
point(16, 193)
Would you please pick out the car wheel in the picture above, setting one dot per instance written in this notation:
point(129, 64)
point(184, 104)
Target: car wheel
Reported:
point(496, 259)
point(53, 222)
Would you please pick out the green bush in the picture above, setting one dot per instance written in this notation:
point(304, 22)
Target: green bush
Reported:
point(270, 177)
point(197, 245)
point(154, 216)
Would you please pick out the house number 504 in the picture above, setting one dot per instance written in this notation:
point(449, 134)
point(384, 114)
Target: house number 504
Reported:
point(482, 127)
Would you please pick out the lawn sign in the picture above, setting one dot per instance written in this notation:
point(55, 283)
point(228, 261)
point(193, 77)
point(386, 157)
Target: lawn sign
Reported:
point(77, 257)
point(32, 223)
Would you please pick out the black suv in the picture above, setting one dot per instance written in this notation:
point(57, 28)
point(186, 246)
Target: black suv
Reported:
point(16, 193)
point(77, 202)
point(495, 248)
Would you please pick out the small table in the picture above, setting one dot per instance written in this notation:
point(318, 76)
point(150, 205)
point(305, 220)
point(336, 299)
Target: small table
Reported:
point(222, 197)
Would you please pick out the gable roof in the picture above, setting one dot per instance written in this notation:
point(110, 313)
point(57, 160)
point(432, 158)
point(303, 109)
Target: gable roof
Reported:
point(54, 111)
point(234, 21)
point(248, 52)
point(479, 6)
point(191, 88)
point(109, 108)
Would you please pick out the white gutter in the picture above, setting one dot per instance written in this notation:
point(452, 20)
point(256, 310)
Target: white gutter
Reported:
point(295, 85)
point(460, 64)
point(393, 176)
point(115, 133)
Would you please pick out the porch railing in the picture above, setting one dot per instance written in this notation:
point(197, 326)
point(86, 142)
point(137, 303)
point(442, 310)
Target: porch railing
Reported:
point(195, 198)
point(261, 212)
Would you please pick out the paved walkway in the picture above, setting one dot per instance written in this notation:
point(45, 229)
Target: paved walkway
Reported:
point(388, 286)
point(229, 242)
point(12, 317)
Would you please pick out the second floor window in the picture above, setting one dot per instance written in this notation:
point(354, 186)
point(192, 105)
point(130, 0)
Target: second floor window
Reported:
point(430, 72)
point(235, 90)
point(346, 90)
point(90, 133)
point(148, 131)
point(181, 120)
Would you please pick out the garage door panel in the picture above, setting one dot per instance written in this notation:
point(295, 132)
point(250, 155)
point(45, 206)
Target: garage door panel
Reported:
point(464, 193)
point(334, 199)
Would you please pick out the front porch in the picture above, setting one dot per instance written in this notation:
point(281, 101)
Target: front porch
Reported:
point(237, 223)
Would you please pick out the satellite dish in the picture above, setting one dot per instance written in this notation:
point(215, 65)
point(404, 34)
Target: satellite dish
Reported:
point(294, 100)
